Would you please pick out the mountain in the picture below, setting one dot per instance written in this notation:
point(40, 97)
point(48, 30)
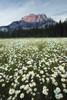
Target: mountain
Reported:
point(30, 21)
point(36, 18)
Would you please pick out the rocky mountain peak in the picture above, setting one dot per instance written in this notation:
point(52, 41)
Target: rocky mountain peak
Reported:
point(35, 18)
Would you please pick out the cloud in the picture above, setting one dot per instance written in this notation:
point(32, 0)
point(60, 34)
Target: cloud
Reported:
point(12, 14)
point(59, 17)
point(61, 12)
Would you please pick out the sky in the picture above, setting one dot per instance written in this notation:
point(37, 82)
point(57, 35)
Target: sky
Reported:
point(14, 10)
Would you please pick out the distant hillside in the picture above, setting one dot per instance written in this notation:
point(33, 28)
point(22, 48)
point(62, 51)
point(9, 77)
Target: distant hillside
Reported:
point(30, 21)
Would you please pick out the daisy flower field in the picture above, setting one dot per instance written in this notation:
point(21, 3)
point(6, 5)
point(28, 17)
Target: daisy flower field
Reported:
point(33, 69)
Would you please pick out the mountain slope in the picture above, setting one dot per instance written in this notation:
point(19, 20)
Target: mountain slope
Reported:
point(30, 21)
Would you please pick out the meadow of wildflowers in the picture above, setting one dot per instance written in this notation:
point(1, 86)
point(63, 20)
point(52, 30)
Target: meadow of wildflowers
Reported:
point(33, 69)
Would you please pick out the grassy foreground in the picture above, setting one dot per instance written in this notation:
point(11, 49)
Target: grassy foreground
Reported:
point(33, 69)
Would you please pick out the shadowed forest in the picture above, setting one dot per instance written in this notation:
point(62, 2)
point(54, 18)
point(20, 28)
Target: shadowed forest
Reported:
point(57, 30)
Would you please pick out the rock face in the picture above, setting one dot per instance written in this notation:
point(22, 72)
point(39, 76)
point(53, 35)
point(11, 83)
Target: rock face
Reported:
point(35, 18)
point(30, 21)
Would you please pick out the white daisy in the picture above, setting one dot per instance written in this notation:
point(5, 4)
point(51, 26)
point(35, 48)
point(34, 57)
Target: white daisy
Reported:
point(22, 95)
point(11, 91)
point(57, 96)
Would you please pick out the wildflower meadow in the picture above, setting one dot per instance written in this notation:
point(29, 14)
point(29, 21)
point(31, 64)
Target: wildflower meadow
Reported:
point(33, 69)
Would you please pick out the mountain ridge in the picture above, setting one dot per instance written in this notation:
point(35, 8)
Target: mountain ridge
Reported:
point(35, 18)
point(29, 21)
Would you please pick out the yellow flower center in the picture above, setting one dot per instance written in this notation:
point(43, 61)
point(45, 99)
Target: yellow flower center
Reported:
point(57, 96)
point(11, 91)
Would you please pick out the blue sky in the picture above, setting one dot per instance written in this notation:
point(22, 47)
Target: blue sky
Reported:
point(13, 10)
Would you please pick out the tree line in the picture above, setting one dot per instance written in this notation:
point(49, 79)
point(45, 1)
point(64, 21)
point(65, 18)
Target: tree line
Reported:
point(57, 30)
